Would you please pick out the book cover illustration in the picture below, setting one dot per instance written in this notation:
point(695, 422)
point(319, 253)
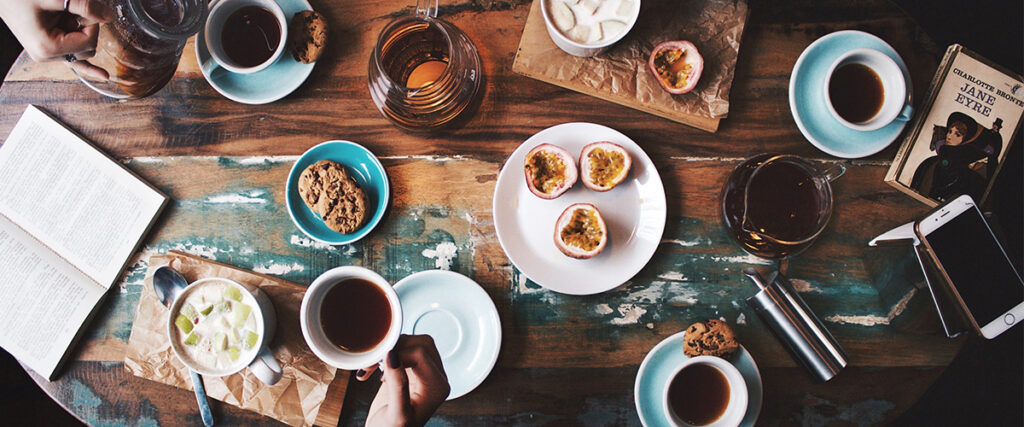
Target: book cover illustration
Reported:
point(968, 121)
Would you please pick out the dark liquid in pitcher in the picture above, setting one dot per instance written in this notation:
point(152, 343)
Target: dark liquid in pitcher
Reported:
point(784, 202)
point(250, 36)
point(144, 64)
point(856, 92)
point(355, 315)
point(699, 394)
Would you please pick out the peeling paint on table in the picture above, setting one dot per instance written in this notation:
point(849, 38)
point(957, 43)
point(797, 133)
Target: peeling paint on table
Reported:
point(234, 212)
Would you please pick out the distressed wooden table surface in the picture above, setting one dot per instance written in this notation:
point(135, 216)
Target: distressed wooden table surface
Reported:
point(564, 359)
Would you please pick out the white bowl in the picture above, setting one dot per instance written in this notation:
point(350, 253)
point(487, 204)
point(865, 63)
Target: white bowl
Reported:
point(580, 49)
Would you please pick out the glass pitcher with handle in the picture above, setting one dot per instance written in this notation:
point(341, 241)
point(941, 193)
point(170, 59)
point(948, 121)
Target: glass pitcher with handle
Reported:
point(138, 51)
point(775, 206)
point(424, 72)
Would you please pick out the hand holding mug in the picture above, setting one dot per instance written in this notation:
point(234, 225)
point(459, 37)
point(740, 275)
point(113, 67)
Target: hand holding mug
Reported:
point(51, 30)
point(413, 386)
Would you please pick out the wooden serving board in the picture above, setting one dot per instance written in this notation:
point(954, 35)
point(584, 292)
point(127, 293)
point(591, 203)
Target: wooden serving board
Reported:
point(620, 74)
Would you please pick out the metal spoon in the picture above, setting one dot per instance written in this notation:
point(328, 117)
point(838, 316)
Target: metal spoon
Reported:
point(168, 285)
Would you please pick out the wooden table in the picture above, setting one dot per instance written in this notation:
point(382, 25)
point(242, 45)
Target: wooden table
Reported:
point(564, 359)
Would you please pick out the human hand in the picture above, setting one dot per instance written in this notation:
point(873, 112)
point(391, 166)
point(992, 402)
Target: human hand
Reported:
point(413, 384)
point(57, 29)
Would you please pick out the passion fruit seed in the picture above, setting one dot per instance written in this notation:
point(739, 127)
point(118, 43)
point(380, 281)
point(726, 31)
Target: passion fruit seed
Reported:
point(583, 230)
point(672, 68)
point(605, 165)
point(548, 171)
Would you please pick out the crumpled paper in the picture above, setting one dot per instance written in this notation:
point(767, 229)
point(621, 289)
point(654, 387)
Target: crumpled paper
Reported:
point(620, 74)
point(295, 400)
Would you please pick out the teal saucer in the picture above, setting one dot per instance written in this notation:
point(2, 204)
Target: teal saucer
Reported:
point(807, 97)
point(262, 87)
point(663, 360)
point(461, 318)
point(367, 172)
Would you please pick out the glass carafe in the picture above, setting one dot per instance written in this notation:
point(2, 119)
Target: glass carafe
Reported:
point(776, 206)
point(424, 72)
point(141, 47)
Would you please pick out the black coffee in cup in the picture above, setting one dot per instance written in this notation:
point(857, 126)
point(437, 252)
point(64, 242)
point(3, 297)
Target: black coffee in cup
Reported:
point(250, 36)
point(856, 92)
point(355, 315)
point(699, 394)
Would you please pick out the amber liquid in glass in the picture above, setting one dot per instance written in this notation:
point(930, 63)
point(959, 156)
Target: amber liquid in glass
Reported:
point(416, 55)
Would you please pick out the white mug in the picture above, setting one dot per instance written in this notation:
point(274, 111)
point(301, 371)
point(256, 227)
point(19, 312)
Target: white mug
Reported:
point(737, 406)
point(895, 102)
point(313, 331)
point(260, 360)
point(212, 31)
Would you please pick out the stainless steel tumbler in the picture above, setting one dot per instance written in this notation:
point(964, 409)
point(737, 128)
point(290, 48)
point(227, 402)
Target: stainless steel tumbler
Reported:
point(787, 315)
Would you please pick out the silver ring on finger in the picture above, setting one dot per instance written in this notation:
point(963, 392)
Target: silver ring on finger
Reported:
point(70, 58)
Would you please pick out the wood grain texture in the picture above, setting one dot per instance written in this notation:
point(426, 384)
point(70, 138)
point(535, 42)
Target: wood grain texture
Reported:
point(564, 359)
point(188, 117)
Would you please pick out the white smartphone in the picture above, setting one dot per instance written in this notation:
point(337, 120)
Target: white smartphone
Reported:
point(983, 279)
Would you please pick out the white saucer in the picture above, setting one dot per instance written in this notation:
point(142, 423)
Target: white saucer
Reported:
point(262, 87)
point(658, 366)
point(461, 318)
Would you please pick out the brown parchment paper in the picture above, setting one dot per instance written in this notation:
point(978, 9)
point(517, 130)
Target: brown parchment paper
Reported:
point(295, 400)
point(620, 73)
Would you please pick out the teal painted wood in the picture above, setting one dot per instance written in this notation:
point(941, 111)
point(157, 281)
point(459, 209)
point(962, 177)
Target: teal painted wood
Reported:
point(232, 211)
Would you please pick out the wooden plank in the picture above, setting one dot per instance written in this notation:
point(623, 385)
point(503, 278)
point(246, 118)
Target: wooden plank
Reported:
point(187, 117)
point(232, 210)
point(533, 59)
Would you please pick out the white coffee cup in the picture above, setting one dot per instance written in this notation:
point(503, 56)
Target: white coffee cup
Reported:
point(737, 406)
point(313, 331)
point(260, 360)
point(895, 102)
point(212, 31)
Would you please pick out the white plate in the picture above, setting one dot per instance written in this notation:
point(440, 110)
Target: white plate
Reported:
point(461, 318)
point(634, 212)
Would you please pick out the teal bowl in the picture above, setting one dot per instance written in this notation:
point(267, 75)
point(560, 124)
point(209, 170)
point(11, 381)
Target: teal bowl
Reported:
point(368, 172)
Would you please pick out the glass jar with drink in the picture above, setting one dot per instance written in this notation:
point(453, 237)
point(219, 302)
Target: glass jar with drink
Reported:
point(424, 72)
point(139, 50)
point(774, 206)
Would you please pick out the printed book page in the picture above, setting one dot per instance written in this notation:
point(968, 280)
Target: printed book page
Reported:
point(44, 301)
point(73, 198)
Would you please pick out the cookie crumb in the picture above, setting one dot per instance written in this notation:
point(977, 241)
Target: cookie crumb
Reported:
point(307, 36)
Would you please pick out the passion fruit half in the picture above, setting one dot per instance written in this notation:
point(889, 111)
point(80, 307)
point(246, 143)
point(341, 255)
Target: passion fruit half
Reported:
point(549, 170)
point(676, 65)
point(580, 231)
point(603, 165)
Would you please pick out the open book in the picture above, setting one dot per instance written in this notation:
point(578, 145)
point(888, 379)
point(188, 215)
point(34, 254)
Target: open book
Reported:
point(70, 219)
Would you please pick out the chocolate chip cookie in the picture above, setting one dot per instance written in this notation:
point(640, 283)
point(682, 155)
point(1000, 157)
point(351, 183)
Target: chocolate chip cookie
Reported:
point(329, 190)
point(710, 337)
point(307, 36)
